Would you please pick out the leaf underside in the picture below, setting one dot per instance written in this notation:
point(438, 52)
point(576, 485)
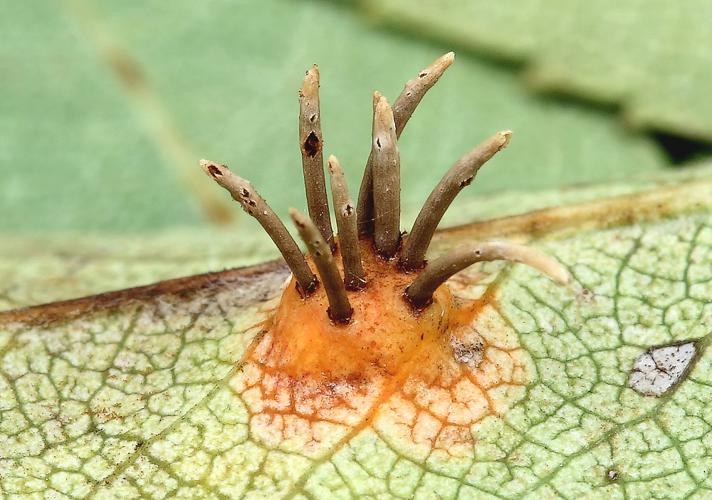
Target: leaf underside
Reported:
point(156, 392)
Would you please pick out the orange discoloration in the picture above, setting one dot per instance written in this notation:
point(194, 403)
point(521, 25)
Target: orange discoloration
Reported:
point(422, 379)
point(433, 415)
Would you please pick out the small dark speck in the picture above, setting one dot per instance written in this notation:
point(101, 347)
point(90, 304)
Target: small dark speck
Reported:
point(612, 475)
point(586, 295)
point(312, 145)
point(422, 74)
point(214, 171)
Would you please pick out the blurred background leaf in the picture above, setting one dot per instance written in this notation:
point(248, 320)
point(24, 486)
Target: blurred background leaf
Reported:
point(650, 58)
point(108, 106)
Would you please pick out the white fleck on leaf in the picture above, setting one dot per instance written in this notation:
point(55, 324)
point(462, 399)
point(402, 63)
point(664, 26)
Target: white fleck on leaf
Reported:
point(467, 347)
point(658, 369)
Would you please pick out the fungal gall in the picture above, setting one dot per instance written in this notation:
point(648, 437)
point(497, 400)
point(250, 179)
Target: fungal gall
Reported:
point(365, 303)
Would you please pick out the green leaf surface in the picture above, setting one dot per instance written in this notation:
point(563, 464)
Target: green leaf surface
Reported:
point(159, 392)
point(39, 269)
point(650, 58)
point(108, 106)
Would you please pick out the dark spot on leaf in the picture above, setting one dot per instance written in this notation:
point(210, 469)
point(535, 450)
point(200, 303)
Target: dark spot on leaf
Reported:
point(126, 68)
point(612, 475)
point(312, 145)
point(586, 295)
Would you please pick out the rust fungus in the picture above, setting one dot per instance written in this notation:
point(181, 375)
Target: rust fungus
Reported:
point(379, 309)
point(379, 228)
point(376, 219)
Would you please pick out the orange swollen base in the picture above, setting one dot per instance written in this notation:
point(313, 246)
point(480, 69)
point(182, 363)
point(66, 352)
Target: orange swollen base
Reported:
point(383, 332)
point(421, 378)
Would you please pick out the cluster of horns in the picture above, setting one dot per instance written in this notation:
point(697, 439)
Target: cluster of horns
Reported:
point(377, 213)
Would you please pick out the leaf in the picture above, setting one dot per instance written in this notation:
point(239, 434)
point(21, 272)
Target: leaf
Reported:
point(103, 121)
point(643, 56)
point(35, 269)
point(160, 391)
